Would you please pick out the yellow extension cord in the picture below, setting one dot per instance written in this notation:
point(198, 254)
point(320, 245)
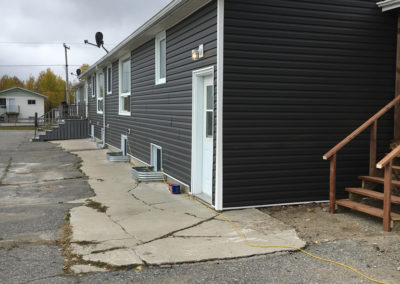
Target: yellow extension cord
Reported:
point(246, 241)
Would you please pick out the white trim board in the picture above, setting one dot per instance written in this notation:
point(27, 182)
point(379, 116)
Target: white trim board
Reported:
point(195, 167)
point(219, 186)
point(272, 205)
point(158, 79)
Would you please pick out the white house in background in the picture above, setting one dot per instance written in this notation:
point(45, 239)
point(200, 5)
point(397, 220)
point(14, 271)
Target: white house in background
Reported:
point(21, 104)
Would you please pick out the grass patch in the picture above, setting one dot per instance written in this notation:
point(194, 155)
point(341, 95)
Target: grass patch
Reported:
point(96, 205)
point(17, 128)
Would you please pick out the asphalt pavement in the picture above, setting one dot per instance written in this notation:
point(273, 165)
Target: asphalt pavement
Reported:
point(37, 179)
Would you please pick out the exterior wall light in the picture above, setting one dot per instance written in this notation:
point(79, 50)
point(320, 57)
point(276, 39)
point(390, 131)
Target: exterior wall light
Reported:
point(198, 52)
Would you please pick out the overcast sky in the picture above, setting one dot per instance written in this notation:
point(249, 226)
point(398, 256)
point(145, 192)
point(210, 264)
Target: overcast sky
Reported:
point(32, 31)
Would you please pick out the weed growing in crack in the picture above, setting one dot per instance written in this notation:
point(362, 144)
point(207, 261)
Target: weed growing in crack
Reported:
point(67, 217)
point(96, 205)
point(65, 242)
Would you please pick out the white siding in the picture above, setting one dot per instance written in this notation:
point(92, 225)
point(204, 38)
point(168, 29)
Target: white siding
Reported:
point(21, 99)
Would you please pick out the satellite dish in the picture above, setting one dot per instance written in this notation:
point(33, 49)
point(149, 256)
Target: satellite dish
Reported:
point(78, 72)
point(99, 39)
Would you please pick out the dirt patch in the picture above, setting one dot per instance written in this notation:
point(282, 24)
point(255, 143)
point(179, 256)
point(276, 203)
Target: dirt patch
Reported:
point(96, 205)
point(314, 224)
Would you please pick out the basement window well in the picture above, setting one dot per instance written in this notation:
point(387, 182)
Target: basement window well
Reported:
point(156, 157)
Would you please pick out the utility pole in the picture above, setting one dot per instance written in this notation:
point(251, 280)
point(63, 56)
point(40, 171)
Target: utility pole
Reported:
point(66, 74)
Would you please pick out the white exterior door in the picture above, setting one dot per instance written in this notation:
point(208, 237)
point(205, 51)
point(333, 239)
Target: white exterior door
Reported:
point(202, 133)
point(11, 105)
point(207, 135)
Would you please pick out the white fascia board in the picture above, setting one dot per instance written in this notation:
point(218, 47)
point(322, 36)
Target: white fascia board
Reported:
point(388, 5)
point(219, 186)
point(170, 15)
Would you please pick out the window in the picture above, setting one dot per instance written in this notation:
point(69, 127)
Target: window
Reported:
point(125, 86)
point(31, 102)
point(161, 58)
point(93, 86)
point(209, 110)
point(100, 92)
point(109, 80)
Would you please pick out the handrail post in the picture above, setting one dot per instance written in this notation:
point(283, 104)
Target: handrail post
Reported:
point(332, 185)
point(372, 148)
point(387, 203)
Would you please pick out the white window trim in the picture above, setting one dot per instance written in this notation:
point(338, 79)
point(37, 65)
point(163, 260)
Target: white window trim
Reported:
point(122, 112)
point(109, 68)
point(152, 157)
point(159, 38)
point(92, 85)
point(98, 92)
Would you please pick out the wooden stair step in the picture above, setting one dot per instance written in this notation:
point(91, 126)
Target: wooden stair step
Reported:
point(372, 193)
point(378, 180)
point(378, 212)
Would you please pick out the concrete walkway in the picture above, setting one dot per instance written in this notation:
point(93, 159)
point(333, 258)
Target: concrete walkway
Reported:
point(145, 224)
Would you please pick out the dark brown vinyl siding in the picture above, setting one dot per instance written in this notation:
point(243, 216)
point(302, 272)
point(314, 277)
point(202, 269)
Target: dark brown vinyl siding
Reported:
point(299, 76)
point(162, 114)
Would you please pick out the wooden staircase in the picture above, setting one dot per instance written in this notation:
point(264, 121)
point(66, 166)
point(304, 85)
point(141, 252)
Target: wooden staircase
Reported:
point(364, 199)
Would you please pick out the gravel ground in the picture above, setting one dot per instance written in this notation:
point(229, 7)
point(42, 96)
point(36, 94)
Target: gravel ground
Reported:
point(32, 213)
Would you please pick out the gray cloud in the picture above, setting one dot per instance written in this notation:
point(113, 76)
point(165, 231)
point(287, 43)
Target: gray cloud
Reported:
point(58, 21)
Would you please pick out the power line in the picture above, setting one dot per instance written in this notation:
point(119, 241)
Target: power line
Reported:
point(44, 43)
point(37, 65)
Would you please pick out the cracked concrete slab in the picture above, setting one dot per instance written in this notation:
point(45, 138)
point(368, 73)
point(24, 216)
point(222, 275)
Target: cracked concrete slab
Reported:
point(80, 268)
point(84, 249)
point(118, 257)
point(179, 250)
point(156, 224)
point(145, 223)
point(90, 225)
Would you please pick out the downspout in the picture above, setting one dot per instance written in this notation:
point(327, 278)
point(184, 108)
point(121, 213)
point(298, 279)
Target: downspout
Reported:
point(104, 113)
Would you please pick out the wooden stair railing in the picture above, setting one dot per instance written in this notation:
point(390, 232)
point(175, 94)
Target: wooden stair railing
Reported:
point(385, 162)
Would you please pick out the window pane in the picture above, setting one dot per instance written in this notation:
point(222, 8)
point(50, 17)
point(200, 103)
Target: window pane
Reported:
point(210, 97)
point(209, 124)
point(163, 59)
point(101, 85)
point(126, 103)
point(108, 80)
point(126, 66)
point(100, 105)
point(94, 86)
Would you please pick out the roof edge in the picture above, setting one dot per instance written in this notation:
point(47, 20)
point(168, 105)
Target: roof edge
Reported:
point(25, 90)
point(153, 21)
point(388, 5)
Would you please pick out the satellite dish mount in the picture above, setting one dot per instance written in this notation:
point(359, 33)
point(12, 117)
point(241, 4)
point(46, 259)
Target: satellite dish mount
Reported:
point(99, 41)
